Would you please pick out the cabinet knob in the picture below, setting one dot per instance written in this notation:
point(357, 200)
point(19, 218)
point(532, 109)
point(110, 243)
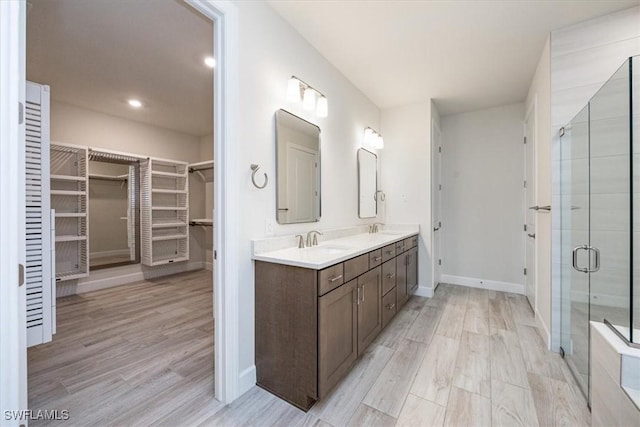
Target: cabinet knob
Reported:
point(391, 306)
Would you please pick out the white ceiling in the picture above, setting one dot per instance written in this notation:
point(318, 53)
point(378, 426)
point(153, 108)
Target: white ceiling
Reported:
point(467, 55)
point(98, 54)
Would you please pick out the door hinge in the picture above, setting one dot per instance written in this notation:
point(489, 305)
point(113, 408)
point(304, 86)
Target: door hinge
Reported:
point(525, 184)
point(525, 227)
point(439, 149)
point(525, 139)
point(215, 254)
point(440, 187)
point(561, 131)
point(439, 223)
point(20, 275)
point(439, 262)
point(20, 113)
point(525, 271)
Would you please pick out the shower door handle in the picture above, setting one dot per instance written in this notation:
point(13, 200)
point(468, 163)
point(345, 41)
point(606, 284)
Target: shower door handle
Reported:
point(575, 258)
point(596, 265)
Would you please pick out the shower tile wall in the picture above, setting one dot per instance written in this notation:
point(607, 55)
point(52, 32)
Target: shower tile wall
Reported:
point(583, 57)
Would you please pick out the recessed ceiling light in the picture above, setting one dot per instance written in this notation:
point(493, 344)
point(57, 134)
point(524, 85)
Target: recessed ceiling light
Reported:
point(135, 103)
point(210, 61)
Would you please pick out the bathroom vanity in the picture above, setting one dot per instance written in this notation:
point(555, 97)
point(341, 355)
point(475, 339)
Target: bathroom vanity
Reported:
point(318, 308)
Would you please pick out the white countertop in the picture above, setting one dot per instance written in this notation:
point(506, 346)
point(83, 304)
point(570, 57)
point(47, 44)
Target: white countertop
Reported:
point(333, 251)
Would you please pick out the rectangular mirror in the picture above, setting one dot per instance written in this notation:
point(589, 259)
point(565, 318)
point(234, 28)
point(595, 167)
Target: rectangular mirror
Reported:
point(367, 184)
point(297, 169)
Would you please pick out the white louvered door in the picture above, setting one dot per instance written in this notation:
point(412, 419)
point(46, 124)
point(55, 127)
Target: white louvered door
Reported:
point(39, 274)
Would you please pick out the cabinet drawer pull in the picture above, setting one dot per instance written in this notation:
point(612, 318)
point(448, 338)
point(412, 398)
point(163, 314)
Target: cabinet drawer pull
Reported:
point(358, 295)
point(390, 276)
point(338, 277)
point(362, 293)
point(378, 258)
point(391, 306)
point(390, 252)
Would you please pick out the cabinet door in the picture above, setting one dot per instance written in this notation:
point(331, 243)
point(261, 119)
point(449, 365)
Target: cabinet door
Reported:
point(401, 279)
point(338, 335)
point(369, 307)
point(388, 276)
point(412, 270)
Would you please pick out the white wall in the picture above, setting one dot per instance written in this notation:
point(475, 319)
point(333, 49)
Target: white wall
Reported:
point(482, 174)
point(270, 52)
point(539, 101)
point(406, 177)
point(583, 57)
point(75, 125)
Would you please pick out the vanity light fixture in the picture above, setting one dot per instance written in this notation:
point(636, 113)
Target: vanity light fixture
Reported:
point(373, 139)
point(312, 99)
point(210, 61)
point(135, 103)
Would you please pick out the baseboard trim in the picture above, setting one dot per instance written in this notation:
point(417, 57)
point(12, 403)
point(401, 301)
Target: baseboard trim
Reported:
point(114, 252)
point(492, 285)
point(126, 278)
point(246, 380)
point(543, 327)
point(423, 291)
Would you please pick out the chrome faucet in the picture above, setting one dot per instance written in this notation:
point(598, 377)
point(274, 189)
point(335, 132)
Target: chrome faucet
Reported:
point(373, 228)
point(300, 241)
point(312, 238)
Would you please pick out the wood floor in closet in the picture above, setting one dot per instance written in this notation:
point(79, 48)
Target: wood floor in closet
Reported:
point(129, 355)
point(143, 355)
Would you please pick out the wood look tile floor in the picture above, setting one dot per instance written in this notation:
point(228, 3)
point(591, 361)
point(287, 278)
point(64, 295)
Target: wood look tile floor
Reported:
point(143, 355)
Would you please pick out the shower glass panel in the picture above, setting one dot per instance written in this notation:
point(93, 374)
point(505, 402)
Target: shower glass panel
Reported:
point(599, 185)
point(575, 233)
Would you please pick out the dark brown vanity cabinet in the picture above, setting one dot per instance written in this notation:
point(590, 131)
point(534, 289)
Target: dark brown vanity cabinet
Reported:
point(369, 307)
point(311, 325)
point(338, 334)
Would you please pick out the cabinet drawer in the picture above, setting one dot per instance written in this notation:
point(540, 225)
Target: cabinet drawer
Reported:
point(388, 252)
point(411, 242)
point(388, 308)
point(388, 276)
point(400, 247)
point(375, 258)
point(330, 278)
point(356, 266)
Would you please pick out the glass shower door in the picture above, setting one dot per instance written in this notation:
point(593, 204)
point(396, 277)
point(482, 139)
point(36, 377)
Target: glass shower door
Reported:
point(574, 188)
point(610, 201)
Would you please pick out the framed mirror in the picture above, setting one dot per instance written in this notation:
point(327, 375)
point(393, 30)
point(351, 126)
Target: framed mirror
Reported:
point(297, 169)
point(367, 184)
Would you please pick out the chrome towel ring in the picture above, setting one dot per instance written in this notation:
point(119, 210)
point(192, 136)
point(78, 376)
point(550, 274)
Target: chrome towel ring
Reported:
point(255, 168)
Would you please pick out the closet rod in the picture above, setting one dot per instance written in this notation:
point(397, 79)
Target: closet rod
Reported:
point(109, 178)
point(199, 168)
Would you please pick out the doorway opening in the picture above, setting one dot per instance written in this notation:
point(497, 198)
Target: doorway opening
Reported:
point(134, 79)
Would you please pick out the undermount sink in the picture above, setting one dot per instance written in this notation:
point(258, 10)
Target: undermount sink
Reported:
point(326, 250)
point(391, 233)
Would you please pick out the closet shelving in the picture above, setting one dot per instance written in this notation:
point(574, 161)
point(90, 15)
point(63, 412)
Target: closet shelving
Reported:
point(164, 211)
point(69, 166)
point(205, 171)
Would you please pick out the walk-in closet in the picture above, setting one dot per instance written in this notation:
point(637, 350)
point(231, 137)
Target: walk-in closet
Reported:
point(120, 180)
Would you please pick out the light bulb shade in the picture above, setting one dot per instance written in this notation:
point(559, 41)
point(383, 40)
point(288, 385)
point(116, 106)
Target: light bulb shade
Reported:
point(369, 136)
point(322, 109)
point(379, 142)
point(309, 100)
point(293, 90)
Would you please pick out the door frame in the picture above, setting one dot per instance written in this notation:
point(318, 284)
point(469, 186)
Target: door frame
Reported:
point(532, 112)
point(224, 15)
point(13, 333)
point(435, 192)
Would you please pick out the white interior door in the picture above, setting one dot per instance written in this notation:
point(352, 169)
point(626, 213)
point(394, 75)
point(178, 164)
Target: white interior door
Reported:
point(302, 193)
point(530, 214)
point(13, 331)
point(436, 203)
